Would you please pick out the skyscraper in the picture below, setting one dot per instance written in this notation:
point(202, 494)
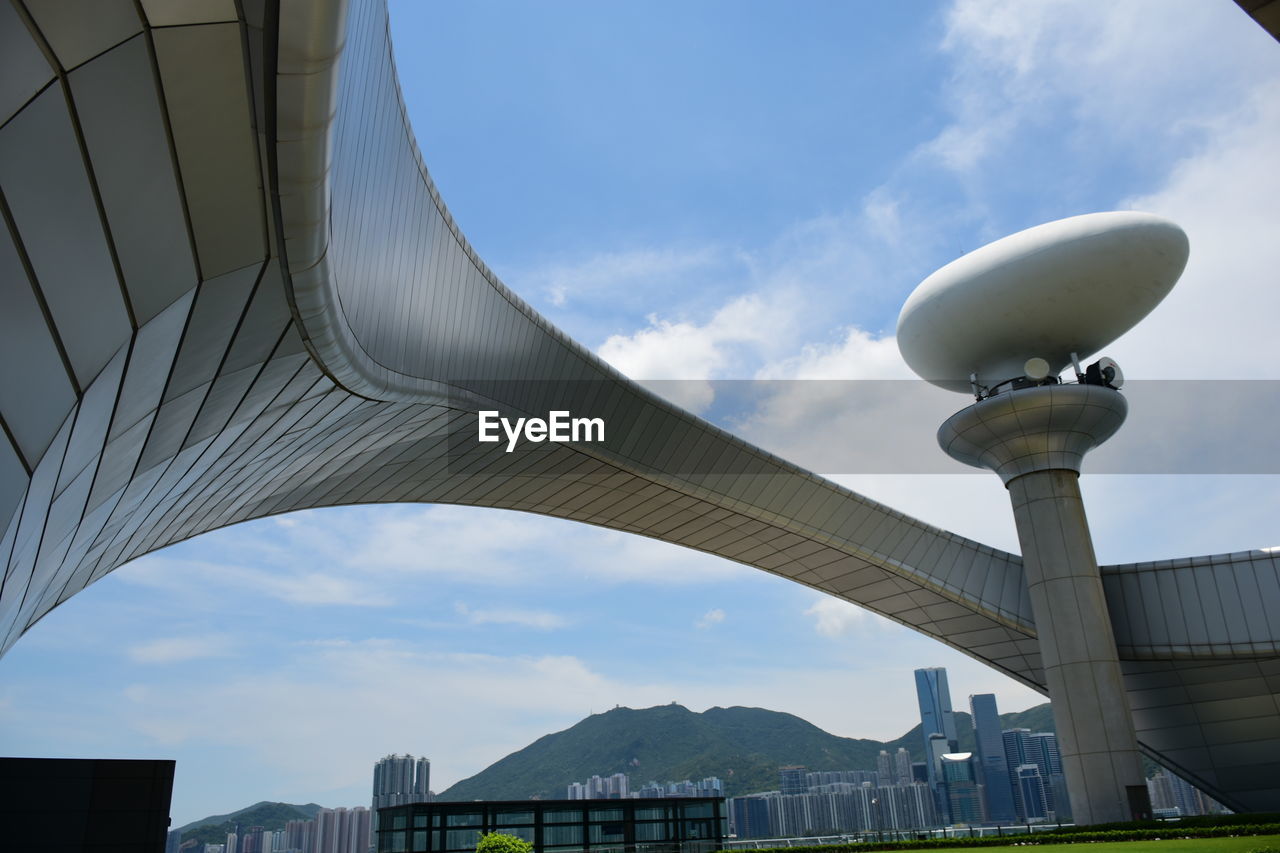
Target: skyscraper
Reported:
point(1030, 790)
point(938, 746)
point(792, 779)
point(1042, 750)
point(938, 723)
point(884, 768)
point(935, 709)
point(902, 767)
point(399, 780)
point(1015, 756)
point(959, 778)
point(993, 768)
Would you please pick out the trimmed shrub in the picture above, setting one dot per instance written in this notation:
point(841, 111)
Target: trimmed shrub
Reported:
point(498, 842)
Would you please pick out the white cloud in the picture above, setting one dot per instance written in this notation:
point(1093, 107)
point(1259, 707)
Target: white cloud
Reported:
point(477, 544)
point(1219, 321)
point(611, 271)
point(179, 649)
point(709, 619)
point(834, 617)
point(795, 288)
point(543, 620)
point(686, 350)
point(472, 544)
point(1117, 72)
point(286, 582)
point(860, 355)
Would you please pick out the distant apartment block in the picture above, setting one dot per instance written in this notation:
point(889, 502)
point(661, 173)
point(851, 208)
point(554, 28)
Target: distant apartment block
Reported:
point(618, 787)
point(399, 780)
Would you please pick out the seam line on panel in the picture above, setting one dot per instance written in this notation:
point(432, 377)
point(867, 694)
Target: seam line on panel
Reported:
point(14, 519)
point(193, 25)
point(129, 535)
point(25, 259)
point(132, 538)
point(28, 102)
point(158, 81)
point(246, 54)
point(167, 463)
point(38, 36)
point(11, 637)
point(97, 468)
point(74, 116)
point(92, 176)
point(226, 353)
point(17, 451)
point(105, 51)
point(248, 390)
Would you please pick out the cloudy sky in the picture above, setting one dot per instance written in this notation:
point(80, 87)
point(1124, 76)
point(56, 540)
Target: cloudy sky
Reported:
point(720, 190)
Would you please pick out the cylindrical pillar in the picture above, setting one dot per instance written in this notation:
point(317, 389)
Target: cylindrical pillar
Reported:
point(1035, 439)
point(1096, 737)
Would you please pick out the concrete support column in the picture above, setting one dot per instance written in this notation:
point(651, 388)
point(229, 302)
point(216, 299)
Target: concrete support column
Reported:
point(1096, 737)
point(1035, 439)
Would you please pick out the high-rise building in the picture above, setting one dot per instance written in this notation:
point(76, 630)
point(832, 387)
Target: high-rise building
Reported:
point(884, 768)
point(1042, 750)
point(360, 830)
point(297, 834)
point(399, 780)
point(837, 807)
point(960, 780)
point(851, 777)
point(1172, 796)
point(792, 779)
point(618, 787)
point(1017, 754)
point(936, 718)
point(902, 766)
point(749, 816)
point(1029, 792)
point(937, 746)
point(993, 769)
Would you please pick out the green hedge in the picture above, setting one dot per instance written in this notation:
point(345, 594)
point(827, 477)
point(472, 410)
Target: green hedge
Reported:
point(1063, 836)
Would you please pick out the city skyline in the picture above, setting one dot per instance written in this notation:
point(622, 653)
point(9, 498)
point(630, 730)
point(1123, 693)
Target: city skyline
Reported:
point(308, 625)
point(1013, 776)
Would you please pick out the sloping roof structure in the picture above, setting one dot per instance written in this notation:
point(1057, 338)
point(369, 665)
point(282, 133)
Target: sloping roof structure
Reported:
point(230, 289)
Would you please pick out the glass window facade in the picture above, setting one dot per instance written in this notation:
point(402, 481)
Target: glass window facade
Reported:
point(677, 825)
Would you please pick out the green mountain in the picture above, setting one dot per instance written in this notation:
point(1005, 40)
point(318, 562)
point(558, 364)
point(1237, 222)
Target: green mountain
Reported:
point(273, 816)
point(742, 746)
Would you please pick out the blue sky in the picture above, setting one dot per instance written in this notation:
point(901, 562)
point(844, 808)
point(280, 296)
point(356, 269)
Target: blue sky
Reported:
point(721, 190)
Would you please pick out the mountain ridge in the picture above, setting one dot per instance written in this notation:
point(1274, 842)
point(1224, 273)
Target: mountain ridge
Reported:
point(265, 813)
point(742, 746)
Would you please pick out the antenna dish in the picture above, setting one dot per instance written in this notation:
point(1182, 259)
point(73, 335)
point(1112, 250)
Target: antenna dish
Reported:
point(1036, 368)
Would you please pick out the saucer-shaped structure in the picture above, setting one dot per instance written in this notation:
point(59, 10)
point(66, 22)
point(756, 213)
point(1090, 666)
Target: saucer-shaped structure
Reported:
point(1074, 285)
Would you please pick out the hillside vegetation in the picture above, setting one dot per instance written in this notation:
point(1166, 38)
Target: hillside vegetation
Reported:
point(742, 746)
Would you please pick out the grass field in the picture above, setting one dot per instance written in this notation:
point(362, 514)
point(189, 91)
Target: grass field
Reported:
point(1243, 844)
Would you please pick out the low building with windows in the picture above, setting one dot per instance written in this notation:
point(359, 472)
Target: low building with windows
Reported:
point(670, 825)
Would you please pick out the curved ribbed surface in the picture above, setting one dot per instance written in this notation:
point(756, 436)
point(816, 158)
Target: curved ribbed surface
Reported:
point(196, 350)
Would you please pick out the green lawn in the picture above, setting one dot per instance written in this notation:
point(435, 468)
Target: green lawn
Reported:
point(1242, 844)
